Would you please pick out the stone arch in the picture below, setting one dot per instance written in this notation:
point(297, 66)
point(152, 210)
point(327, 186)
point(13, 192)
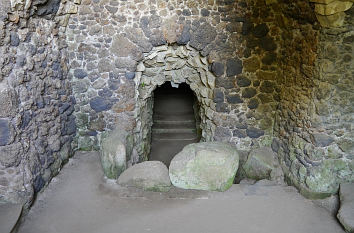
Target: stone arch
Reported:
point(177, 64)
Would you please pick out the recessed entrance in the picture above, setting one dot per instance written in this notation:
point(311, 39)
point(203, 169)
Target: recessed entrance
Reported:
point(186, 69)
point(176, 121)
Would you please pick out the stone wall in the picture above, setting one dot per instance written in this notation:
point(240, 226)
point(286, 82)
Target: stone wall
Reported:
point(108, 39)
point(268, 65)
point(36, 121)
point(265, 74)
point(315, 118)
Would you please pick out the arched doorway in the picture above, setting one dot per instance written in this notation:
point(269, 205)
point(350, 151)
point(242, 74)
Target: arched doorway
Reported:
point(176, 121)
point(182, 66)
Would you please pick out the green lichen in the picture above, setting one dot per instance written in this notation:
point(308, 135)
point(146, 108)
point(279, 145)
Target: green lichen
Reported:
point(266, 141)
point(85, 143)
point(227, 185)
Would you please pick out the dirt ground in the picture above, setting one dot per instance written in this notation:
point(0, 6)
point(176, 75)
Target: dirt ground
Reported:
point(79, 200)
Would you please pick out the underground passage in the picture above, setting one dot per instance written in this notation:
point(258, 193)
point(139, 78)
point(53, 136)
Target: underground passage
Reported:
point(175, 121)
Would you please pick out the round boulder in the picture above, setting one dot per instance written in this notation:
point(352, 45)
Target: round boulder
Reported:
point(149, 176)
point(205, 166)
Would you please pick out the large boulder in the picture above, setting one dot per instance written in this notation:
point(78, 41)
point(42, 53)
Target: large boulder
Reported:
point(261, 164)
point(205, 166)
point(116, 149)
point(150, 176)
point(346, 212)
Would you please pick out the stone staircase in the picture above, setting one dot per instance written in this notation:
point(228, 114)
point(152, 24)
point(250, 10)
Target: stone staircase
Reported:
point(174, 124)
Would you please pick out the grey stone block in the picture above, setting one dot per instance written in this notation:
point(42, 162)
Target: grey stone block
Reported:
point(5, 132)
point(233, 67)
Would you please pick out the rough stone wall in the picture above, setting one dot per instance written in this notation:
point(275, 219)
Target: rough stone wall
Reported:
point(36, 121)
point(107, 40)
point(315, 119)
point(275, 82)
point(265, 73)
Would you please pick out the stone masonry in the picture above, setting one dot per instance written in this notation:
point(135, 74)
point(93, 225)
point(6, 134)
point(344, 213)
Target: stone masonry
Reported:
point(266, 74)
point(36, 120)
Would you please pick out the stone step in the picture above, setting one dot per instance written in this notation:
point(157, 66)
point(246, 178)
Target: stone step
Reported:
point(9, 217)
point(174, 117)
point(174, 136)
point(173, 130)
point(174, 125)
point(173, 105)
point(176, 122)
point(172, 112)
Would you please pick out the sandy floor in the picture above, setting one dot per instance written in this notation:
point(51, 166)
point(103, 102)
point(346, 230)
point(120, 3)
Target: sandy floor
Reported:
point(80, 201)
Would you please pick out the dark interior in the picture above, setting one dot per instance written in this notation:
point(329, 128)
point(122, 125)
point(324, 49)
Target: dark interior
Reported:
point(175, 121)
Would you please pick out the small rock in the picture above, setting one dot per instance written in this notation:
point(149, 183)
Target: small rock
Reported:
point(346, 212)
point(130, 75)
point(233, 67)
point(267, 87)
point(330, 203)
point(150, 176)
point(269, 58)
point(80, 86)
point(100, 104)
point(249, 92)
point(239, 133)
point(80, 73)
point(186, 12)
point(10, 155)
point(254, 132)
point(114, 152)
point(125, 63)
point(217, 68)
point(205, 166)
point(267, 43)
point(122, 47)
point(253, 104)
point(247, 181)
point(4, 132)
point(234, 99)
point(8, 101)
point(243, 81)
point(204, 35)
point(322, 140)
point(185, 36)
point(137, 36)
point(105, 93)
point(104, 65)
point(204, 12)
point(112, 10)
point(260, 30)
point(49, 7)
point(226, 83)
point(218, 96)
point(4, 9)
point(222, 107)
point(262, 164)
point(247, 27)
point(14, 39)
